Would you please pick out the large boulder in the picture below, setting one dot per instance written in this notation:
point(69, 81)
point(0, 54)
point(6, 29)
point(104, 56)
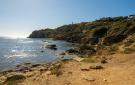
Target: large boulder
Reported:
point(86, 49)
point(82, 50)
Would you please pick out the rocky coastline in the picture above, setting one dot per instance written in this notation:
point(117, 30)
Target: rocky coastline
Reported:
point(104, 56)
point(99, 69)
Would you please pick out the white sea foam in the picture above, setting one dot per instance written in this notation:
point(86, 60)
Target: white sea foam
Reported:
point(19, 54)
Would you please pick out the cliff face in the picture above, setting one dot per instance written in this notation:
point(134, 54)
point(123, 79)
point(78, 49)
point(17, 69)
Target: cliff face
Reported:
point(106, 31)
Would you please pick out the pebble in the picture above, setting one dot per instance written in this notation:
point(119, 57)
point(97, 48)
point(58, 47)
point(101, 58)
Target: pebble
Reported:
point(78, 59)
point(48, 72)
point(105, 80)
point(96, 67)
point(88, 78)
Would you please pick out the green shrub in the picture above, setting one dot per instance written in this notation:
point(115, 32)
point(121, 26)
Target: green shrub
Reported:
point(113, 48)
point(130, 41)
point(85, 47)
point(56, 70)
point(15, 79)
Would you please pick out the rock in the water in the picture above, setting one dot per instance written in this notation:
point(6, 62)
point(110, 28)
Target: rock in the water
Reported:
point(53, 46)
point(62, 53)
point(27, 63)
point(42, 51)
point(72, 51)
point(36, 65)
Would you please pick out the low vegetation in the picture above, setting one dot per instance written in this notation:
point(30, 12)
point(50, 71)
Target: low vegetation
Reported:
point(56, 69)
point(104, 32)
point(128, 50)
point(14, 80)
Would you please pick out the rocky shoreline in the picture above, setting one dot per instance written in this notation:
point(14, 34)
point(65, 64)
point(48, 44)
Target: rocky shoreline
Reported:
point(100, 69)
point(13, 75)
point(104, 56)
point(20, 71)
point(51, 68)
point(76, 70)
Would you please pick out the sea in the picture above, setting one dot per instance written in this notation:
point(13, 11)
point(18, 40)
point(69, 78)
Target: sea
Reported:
point(16, 51)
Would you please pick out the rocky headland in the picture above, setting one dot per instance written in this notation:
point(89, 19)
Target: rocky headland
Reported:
point(104, 51)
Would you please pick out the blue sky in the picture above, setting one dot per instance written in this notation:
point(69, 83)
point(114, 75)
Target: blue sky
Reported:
point(21, 17)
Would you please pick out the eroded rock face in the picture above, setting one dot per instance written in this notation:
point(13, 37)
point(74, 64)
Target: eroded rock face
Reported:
point(82, 50)
point(90, 40)
point(113, 39)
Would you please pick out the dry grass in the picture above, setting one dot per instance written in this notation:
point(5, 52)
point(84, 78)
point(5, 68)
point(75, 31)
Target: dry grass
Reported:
point(90, 60)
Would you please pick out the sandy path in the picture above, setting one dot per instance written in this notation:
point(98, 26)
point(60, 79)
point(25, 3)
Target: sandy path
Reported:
point(120, 70)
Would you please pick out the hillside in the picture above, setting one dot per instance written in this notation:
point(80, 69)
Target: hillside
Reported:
point(104, 36)
point(110, 30)
point(104, 55)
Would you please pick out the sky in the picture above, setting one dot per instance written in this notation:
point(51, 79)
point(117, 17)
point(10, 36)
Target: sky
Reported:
point(18, 18)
